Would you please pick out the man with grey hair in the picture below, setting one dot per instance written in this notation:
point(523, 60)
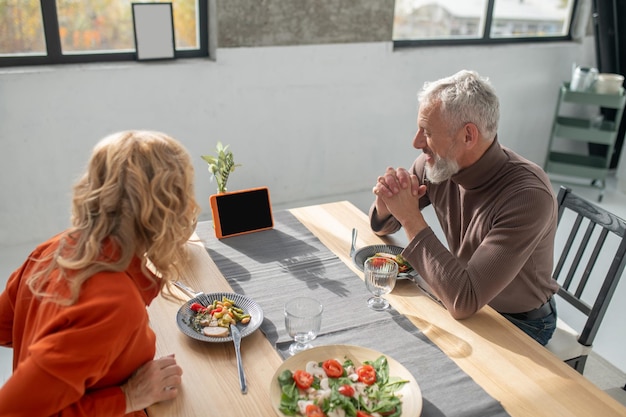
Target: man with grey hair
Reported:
point(497, 210)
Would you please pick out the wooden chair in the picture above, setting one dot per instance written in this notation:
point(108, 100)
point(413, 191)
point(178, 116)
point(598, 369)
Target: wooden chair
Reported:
point(580, 252)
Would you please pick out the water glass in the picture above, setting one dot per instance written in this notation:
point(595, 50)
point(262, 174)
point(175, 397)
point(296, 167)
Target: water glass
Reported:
point(303, 319)
point(380, 278)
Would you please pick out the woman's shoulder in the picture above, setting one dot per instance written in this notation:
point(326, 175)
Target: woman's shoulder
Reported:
point(46, 246)
point(119, 290)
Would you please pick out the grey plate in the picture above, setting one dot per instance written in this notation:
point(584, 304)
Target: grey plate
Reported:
point(185, 315)
point(361, 255)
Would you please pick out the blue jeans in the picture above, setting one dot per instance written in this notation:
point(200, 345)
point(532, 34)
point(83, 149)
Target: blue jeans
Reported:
point(540, 329)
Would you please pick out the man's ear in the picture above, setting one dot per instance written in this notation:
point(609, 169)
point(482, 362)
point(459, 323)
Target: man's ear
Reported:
point(471, 135)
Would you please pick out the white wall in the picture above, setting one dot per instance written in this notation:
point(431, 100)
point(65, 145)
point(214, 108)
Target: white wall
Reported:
point(307, 121)
point(314, 123)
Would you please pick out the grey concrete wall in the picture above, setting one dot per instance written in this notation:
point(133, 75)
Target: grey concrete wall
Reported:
point(245, 23)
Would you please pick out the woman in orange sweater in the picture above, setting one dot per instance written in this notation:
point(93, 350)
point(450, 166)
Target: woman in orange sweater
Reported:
point(75, 311)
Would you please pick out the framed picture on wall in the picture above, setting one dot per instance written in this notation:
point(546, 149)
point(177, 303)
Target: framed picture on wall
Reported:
point(153, 24)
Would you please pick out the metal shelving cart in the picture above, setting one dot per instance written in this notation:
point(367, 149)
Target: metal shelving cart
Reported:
point(582, 165)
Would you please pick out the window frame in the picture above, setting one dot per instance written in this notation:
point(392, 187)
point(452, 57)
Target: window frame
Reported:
point(485, 39)
point(55, 56)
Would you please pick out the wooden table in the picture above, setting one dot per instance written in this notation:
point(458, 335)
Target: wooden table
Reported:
point(525, 377)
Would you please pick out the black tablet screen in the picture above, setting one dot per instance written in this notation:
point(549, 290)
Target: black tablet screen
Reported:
point(245, 211)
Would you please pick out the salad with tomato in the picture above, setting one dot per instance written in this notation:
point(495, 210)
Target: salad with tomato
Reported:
point(341, 389)
point(403, 265)
point(220, 313)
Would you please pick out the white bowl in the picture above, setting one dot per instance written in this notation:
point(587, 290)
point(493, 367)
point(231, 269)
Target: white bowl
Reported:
point(608, 83)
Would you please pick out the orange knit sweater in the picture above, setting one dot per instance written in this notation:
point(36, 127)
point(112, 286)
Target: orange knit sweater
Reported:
point(71, 360)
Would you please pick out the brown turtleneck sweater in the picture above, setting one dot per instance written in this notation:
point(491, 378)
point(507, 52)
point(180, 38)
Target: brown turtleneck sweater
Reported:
point(499, 217)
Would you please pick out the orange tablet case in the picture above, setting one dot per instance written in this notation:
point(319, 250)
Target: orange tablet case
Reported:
point(240, 212)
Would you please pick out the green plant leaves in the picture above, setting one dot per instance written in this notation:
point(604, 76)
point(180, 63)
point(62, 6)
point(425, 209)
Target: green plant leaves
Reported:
point(221, 165)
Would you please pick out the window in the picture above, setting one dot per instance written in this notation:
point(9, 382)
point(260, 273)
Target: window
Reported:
point(418, 22)
point(71, 31)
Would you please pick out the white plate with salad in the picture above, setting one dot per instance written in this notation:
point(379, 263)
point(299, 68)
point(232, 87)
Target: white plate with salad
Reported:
point(321, 380)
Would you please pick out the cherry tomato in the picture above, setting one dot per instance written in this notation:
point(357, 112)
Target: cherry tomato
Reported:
point(346, 390)
point(313, 410)
point(360, 413)
point(379, 261)
point(196, 307)
point(303, 379)
point(367, 374)
point(333, 368)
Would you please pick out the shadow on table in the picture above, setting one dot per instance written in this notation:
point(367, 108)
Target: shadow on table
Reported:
point(314, 273)
point(270, 246)
point(430, 410)
point(275, 249)
point(232, 266)
point(310, 270)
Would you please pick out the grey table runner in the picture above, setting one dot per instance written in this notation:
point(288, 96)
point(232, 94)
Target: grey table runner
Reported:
point(276, 265)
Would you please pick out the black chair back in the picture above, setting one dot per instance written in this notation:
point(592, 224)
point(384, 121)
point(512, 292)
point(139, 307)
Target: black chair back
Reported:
point(584, 245)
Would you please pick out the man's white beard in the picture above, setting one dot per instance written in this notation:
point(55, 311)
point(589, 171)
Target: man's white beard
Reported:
point(442, 170)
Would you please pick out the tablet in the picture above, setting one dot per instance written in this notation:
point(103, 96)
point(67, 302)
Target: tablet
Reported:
point(240, 212)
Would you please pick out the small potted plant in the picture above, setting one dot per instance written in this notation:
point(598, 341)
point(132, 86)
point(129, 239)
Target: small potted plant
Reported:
point(221, 165)
point(236, 212)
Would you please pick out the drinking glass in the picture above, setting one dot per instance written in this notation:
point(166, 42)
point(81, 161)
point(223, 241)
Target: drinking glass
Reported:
point(303, 319)
point(380, 278)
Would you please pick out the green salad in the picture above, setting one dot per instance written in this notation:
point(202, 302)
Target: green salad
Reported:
point(324, 388)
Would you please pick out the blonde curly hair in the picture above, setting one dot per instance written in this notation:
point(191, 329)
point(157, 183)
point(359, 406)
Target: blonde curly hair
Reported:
point(136, 194)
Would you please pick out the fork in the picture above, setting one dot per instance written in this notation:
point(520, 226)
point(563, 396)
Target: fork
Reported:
point(353, 246)
point(236, 333)
point(187, 289)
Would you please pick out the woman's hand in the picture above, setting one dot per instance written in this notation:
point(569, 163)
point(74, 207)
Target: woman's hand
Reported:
point(155, 381)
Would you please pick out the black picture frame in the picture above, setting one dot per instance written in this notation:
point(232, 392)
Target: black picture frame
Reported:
point(153, 25)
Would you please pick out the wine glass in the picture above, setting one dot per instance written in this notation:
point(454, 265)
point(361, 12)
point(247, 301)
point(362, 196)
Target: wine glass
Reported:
point(303, 319)
point(380, 278)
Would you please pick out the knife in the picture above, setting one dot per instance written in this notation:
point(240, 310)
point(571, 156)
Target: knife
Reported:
point(234, 330)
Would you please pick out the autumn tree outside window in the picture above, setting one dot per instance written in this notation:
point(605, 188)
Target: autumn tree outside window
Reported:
point(69, 31)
